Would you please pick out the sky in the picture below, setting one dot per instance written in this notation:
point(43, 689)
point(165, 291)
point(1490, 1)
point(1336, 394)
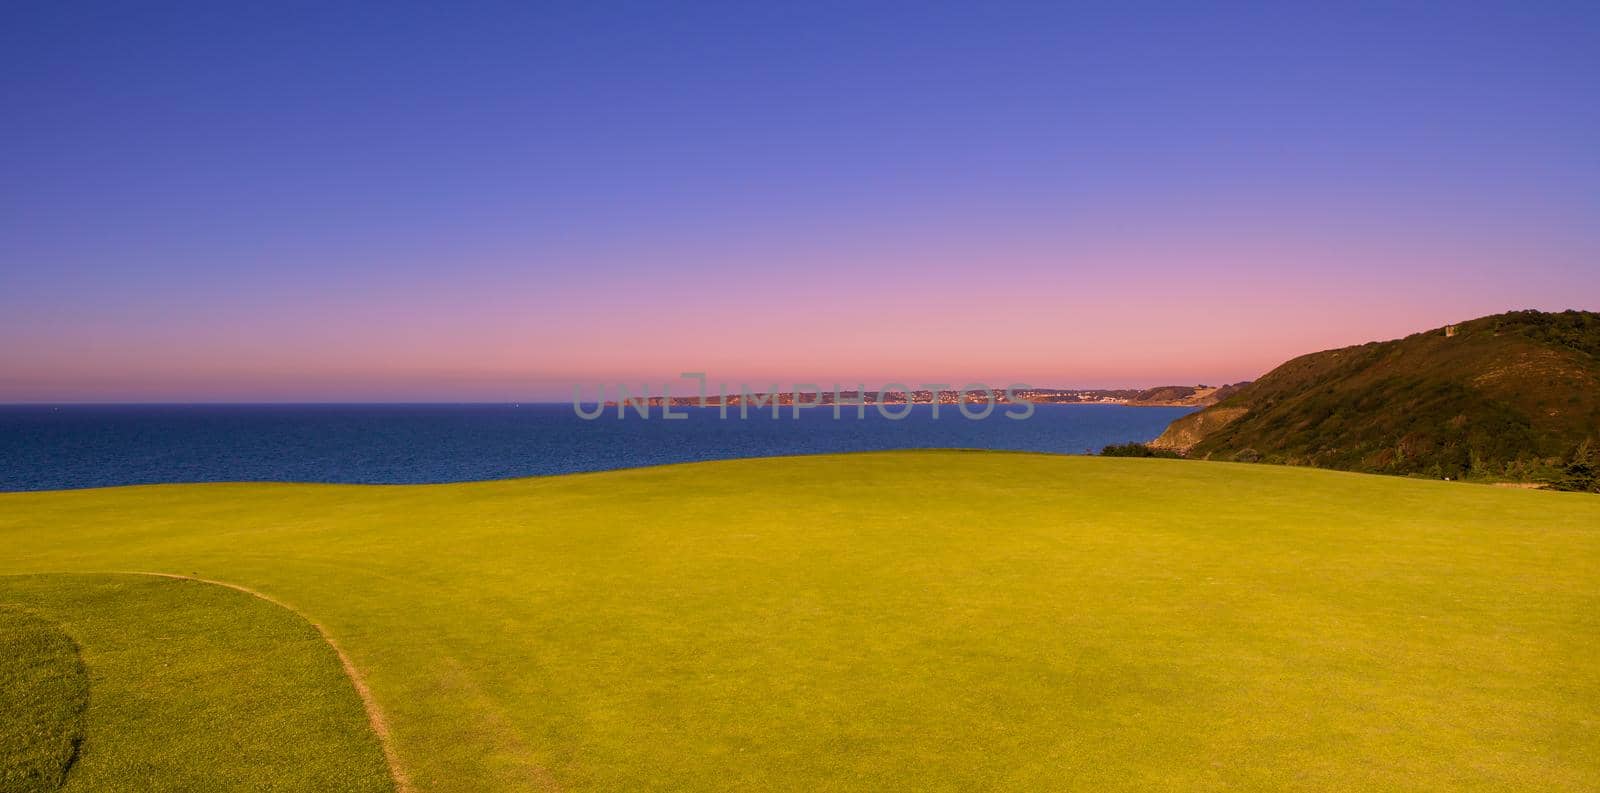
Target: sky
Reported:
point(497, 201)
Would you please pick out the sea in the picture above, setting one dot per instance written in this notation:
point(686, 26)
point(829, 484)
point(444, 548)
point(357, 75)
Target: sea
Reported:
point(53, 447)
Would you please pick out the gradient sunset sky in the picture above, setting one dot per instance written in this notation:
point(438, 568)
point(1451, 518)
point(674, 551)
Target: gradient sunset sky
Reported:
point(490, 202)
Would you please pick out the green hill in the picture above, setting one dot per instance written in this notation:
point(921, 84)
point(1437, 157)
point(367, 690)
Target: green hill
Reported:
point(1511, 396)
point(899, 621)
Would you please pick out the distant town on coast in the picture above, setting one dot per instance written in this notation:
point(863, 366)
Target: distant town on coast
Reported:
point(1162, 396)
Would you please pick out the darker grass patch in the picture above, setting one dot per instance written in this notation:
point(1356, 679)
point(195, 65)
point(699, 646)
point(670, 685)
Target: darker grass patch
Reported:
point(44, 690)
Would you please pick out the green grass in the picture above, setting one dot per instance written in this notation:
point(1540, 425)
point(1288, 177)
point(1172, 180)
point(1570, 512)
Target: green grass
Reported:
point(43, 691)
point(928, 621)
point(190, 686)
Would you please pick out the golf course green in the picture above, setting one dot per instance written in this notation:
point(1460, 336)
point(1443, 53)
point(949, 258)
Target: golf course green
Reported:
point(907, 620)
point(188, 686)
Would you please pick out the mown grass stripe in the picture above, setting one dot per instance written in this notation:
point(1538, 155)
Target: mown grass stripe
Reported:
point(375, 717)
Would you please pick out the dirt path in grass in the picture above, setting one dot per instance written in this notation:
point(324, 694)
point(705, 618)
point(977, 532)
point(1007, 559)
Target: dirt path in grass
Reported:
point(375, 718)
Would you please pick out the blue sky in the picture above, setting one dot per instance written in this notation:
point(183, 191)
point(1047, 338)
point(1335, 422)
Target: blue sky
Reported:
point(431, 200)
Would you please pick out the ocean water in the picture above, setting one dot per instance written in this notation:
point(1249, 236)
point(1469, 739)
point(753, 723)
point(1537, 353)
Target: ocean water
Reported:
point(73, 446)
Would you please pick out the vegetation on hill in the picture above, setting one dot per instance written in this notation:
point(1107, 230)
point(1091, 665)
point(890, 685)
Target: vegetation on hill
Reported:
point(1166, 393)
point(1184, 395)
point(1136, 450)
point(895, 621)
point(1512, 396)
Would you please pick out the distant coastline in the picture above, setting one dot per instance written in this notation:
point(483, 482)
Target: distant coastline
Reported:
point(1161, 396)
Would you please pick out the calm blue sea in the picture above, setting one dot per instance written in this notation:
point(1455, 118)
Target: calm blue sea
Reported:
point(55, 447)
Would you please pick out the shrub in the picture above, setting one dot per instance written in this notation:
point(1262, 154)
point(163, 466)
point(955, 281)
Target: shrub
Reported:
point(1582, 471)
point(1136, 450)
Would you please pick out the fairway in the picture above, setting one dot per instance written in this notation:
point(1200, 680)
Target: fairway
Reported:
point(907, 620)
